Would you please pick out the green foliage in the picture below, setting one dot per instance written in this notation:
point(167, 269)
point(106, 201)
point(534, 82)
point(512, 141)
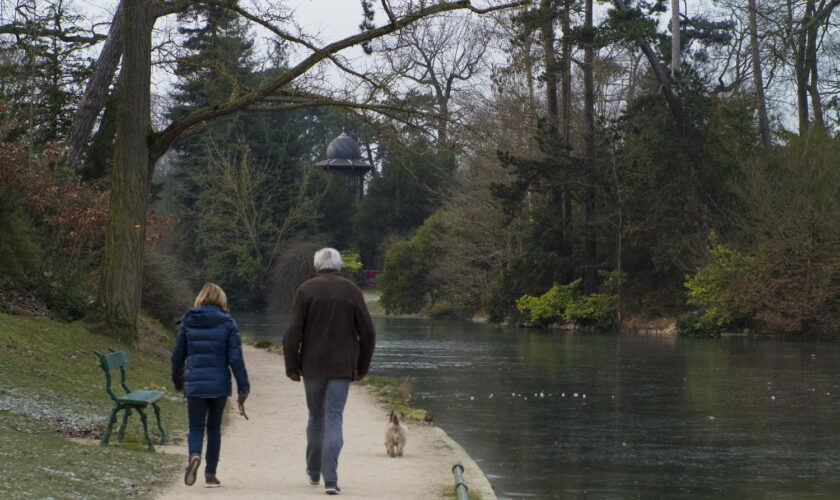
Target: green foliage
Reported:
point(552, 305)
point(721, 288)
point(596, 309)
point(564, 302)
point(351, 264)
point(692, 325)
point(404, 282)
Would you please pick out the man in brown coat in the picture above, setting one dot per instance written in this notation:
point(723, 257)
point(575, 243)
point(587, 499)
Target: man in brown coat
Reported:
point(329, 342)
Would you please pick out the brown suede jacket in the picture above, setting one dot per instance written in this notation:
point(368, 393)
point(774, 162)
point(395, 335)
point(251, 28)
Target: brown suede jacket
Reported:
point(330, 334)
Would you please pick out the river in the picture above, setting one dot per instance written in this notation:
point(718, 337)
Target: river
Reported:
point(562, 415)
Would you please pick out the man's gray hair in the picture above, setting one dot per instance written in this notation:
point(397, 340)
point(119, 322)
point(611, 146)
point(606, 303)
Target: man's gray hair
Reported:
point(327, 258)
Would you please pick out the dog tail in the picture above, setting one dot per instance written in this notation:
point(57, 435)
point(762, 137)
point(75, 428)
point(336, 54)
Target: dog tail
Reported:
point(393, 418)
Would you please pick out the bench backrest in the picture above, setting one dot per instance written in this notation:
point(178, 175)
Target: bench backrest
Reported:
point(110, 361)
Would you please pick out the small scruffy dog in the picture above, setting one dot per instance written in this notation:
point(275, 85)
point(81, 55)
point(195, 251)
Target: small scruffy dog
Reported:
point(394, 436)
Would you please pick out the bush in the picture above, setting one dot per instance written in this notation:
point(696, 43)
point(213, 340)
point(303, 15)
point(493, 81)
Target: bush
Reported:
point(598, 310)
point(404, 281)
point(352, 265)
point(563, 302)
point(786, 276)
point(550, 306)
point(691, 325)
point(722, 288)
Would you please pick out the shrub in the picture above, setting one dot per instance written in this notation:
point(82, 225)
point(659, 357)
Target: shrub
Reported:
point(352, 265)
point(550, 306)
point(722, 288)
point(563, 302)
point(404, 281)
point(691, 325)
point(597, 309)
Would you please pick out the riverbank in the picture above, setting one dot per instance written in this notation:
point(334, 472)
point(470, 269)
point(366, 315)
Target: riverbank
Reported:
point(53, 410)
point(263, 457)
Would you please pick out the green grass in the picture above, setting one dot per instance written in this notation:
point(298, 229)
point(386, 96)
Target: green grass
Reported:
point(394, 396)
point(51, 388)
point(449, 492)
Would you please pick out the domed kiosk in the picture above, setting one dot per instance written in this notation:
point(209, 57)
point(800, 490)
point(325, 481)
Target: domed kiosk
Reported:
point(344, 157)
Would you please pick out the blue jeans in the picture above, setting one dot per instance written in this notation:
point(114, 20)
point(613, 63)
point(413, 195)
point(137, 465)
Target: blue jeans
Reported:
point(325, 399)
point(206, 413)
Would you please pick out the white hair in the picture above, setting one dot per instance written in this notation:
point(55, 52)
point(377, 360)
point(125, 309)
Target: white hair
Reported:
point(327, 258)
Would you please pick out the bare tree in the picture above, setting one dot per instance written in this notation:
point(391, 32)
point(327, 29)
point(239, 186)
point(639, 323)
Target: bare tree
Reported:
point(441, 54)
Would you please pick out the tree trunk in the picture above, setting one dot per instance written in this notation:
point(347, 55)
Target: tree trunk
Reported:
point(659, 71)
point(675, 37)
point(811, 64)
point(96, 91)
point(590, 250)
point(761, 104)
point(566, 107)
point(550, 62)
point(122, 269)
point(801, 69)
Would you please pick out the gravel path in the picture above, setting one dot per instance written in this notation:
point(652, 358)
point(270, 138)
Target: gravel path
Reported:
point(262, 458)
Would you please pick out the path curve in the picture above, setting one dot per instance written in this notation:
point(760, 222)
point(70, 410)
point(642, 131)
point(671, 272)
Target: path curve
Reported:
point(262, 458)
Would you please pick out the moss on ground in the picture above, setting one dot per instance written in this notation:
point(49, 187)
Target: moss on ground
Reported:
point(395, 396)
point(52, 389)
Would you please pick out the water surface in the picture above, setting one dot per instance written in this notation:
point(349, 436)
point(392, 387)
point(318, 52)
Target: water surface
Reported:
point(558, 415)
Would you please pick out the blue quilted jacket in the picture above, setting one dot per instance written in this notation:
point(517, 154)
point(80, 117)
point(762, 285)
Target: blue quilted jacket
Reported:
point(206, 351)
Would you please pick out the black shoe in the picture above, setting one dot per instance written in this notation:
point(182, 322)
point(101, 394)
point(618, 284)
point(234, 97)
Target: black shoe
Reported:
point(332, 489)
point(313, 480)
point(192, 469)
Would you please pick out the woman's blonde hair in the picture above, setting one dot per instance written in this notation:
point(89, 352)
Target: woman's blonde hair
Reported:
point(211, 294)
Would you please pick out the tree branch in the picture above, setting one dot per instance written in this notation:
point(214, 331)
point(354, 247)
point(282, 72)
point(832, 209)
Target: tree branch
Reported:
point(163, 141)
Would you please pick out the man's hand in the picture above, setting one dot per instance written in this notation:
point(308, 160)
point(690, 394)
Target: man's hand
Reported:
point(242, 397)
point(295, 377)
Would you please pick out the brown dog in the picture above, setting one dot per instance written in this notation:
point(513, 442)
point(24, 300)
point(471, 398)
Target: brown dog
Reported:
point(394, 436)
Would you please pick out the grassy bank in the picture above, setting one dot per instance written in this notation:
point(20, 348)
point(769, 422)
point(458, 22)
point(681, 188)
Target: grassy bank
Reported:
point(53, 410)
point(395, 396)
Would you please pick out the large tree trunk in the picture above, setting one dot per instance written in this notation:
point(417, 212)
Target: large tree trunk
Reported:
point(675, 37)
point(590, 251)
point(122, 269)
point(96, 92)
point(758, 80)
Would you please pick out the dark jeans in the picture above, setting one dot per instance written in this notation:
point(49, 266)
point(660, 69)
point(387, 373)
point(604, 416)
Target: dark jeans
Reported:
point(206, 413)
point(325, 399)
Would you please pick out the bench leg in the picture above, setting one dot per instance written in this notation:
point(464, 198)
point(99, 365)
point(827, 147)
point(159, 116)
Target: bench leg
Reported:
point(111, 422)
point(163, 437)
point(146, 429)
point(121, 430)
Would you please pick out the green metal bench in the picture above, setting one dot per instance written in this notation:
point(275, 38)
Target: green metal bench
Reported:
point(132, 400)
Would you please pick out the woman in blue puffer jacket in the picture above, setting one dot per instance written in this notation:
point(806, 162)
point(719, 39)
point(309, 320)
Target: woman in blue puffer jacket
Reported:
point(206, 350)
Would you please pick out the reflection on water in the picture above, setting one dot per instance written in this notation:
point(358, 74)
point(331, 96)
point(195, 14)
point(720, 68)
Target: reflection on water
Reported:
point(550, 415)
